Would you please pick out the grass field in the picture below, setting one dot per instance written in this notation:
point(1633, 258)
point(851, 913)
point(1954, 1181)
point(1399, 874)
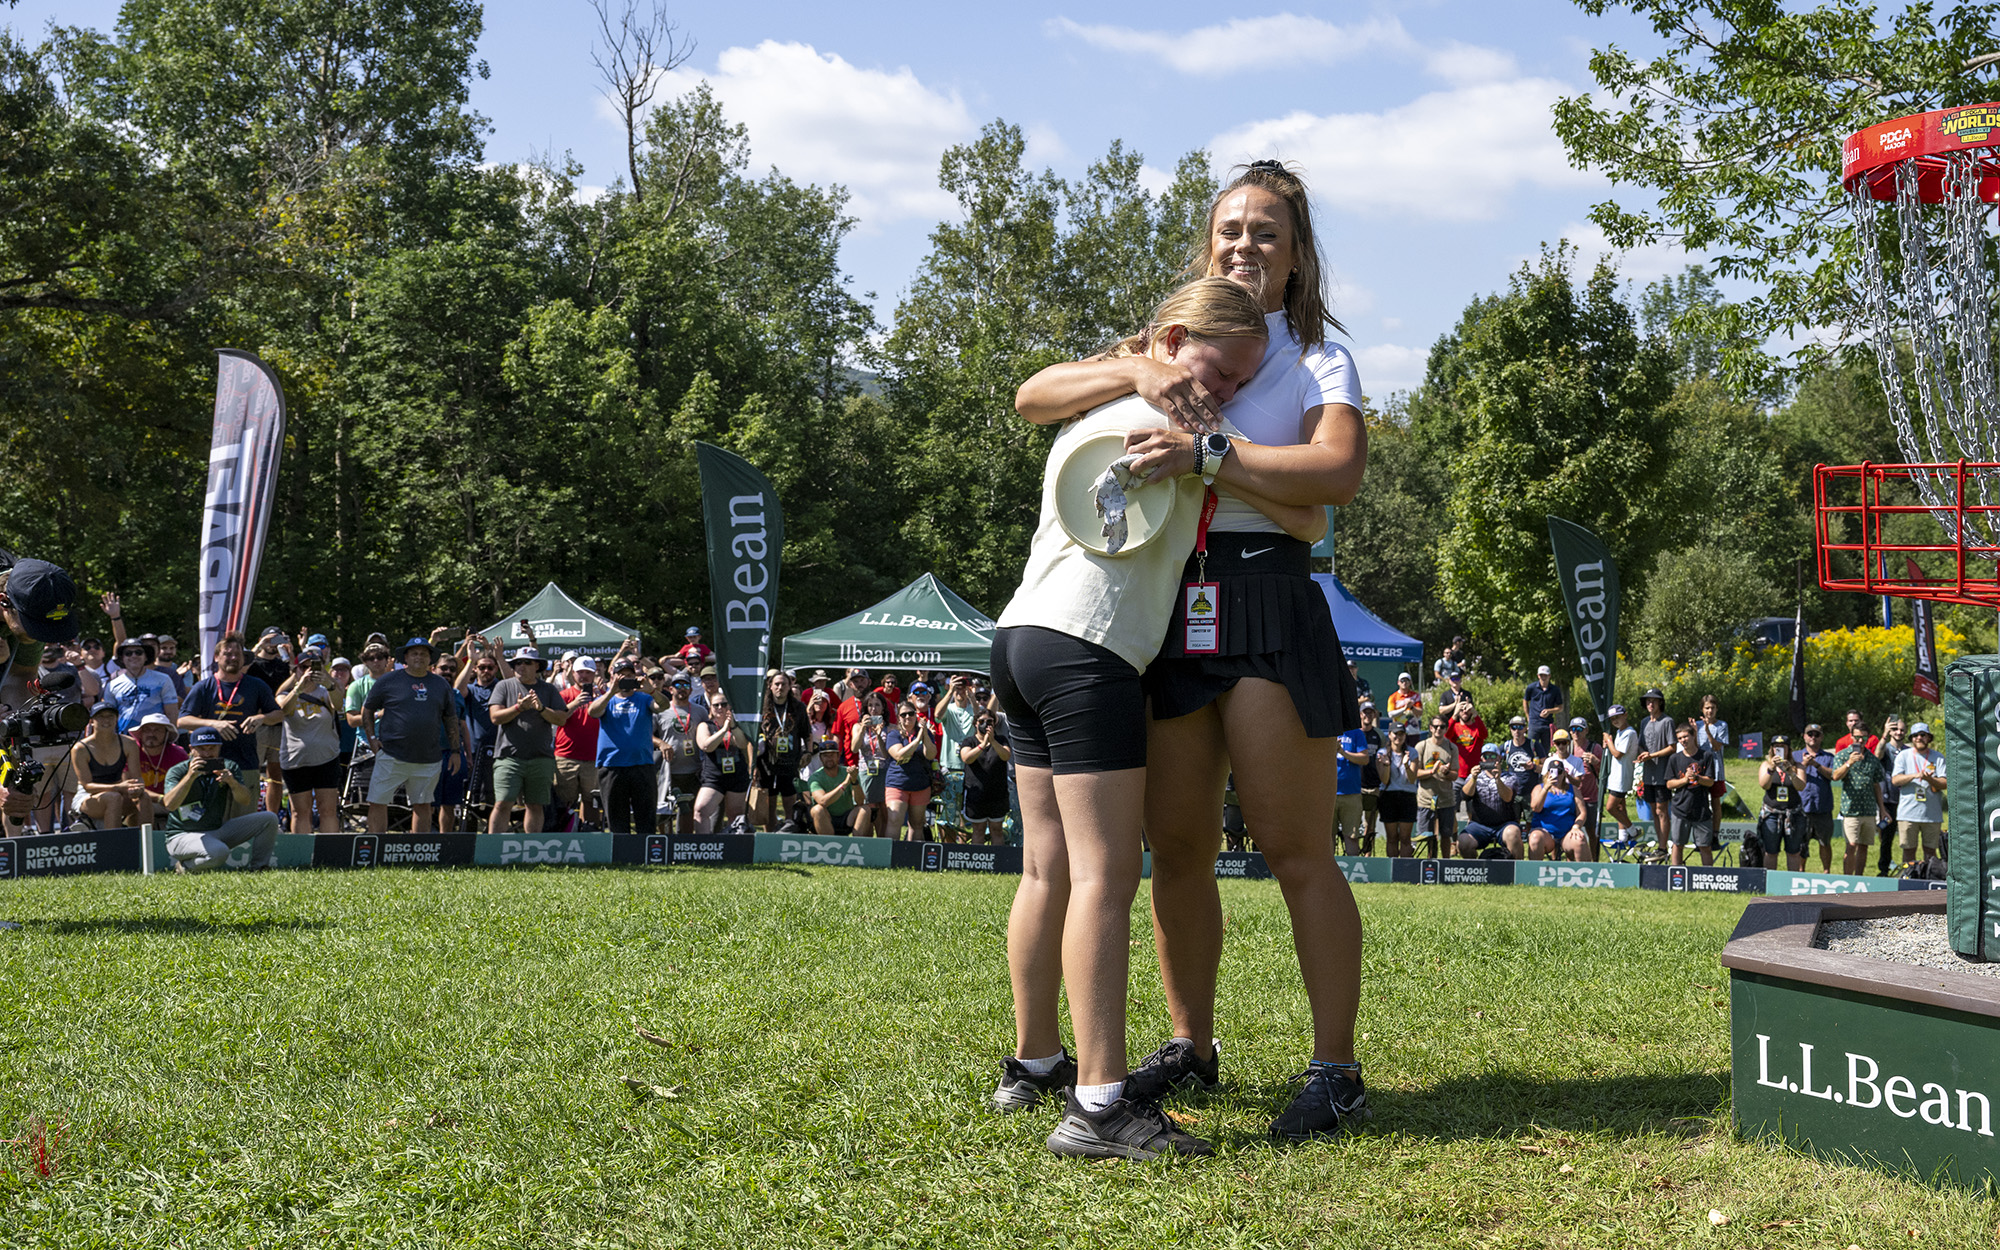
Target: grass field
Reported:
point(402, 1058)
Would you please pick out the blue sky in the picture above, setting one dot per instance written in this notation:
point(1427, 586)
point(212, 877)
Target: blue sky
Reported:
point(1423, 128)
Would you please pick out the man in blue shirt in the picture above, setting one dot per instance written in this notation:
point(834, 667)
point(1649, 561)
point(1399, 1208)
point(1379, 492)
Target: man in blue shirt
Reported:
point(232, 703)
point(1816, 796)
point(1355, 754)
point(627, 776)
point(1542, 704)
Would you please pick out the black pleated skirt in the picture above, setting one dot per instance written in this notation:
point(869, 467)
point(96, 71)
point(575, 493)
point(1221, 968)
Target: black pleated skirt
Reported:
point(1275, 625)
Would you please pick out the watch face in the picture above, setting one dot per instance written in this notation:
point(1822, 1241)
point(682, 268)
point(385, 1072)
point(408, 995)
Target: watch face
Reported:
point(1218, 444)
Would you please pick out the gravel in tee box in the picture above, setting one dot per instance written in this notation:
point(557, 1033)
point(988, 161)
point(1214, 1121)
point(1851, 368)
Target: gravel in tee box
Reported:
point(1918, 940)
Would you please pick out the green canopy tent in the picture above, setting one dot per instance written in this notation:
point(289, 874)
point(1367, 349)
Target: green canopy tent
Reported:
point(561, 624)
point(923, 625)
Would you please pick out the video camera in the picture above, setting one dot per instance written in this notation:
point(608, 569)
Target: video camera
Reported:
point(49, 719)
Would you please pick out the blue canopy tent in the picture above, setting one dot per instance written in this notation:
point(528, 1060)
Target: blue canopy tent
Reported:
point(1379, 650)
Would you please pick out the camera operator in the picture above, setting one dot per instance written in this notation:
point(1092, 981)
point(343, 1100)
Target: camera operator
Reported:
point(38, 607)
point(201, 792)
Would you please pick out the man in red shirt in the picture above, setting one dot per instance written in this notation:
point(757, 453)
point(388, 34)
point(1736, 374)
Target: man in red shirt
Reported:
point(1468, 731)
point(692, 653)
point(1855, 725)
point(891, 693)
point(576, 744)
point(848, 714)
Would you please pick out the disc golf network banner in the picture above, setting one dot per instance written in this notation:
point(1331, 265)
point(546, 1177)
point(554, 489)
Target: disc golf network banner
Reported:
point(1589, 578)
point(746, 538)
point(242, 481)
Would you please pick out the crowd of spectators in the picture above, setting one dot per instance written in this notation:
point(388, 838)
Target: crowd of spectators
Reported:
point(451, 725)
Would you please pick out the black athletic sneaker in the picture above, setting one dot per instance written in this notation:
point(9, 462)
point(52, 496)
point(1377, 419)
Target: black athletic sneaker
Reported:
point(1177, 1065)
point(1020, 1089)
point(1133, 1127)
point(1332, 1102)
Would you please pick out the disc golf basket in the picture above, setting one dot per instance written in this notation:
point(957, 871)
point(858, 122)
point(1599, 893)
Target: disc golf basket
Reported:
point(1926, 282)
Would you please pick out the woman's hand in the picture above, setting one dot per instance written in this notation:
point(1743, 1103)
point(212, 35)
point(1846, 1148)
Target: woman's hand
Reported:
point(1173, 390)
point(1162, 453)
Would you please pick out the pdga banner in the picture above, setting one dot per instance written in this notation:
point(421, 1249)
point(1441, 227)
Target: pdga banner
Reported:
point(243, 456)
point(746, 538)
point(1589, 578)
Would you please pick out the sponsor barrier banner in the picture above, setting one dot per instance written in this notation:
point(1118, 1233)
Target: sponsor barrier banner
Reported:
point(1565, 876)
point(1248, 865)
point(63, 854)
point(793, 848)
point(529, 849)
point(983, 859)
point(386, 850)
point(1365, 869)
point(1695, 879)
point(746, 539)
point(1779, 882)
point(717, 848)
point(243, 451)
point(1828, 1068)
point(1455, 871)
point(1923, 885)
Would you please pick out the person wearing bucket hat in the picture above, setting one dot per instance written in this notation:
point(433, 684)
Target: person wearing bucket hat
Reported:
point(158, 752)
point(411, 720)
point(201, 791)
point(138, 688)
point(1068, 655)
point(1918, 775)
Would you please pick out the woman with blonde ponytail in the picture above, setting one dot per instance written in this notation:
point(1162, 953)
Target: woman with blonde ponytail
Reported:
point(1067, 660)
point(1272, 699)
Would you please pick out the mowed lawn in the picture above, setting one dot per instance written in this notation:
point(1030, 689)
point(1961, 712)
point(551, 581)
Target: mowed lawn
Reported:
point(408, 1058)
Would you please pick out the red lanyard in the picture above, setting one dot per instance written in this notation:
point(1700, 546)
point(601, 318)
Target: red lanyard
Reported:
point(1201, 534)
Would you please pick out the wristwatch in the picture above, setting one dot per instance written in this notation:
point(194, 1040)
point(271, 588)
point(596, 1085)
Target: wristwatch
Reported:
point(1209, 451)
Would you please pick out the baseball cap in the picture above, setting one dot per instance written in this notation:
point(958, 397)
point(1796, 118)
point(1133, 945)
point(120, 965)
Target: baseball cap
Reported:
point(270, 631)
point(1403, 677)
point(205, 738)
point(1560, 735)
point(1617, 709)
point(918, 687)
point(1368, 705)
point(624, 665)
point(1577, 722)
point(101, 706)
point(316, 640)
point(826, 744)
point(569, 657)
point(340, 661)
point(694, 631)
point(1517, 722)
point(1491, 748)
point(1813, 729)
point(1543, 671)
point(585, 664)
point(708, 670)
point(683, 681)
point(43, 595)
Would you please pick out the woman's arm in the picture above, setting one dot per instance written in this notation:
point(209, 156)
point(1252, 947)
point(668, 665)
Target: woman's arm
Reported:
point(1326, 468)
point(1062, 391)
point(707, 738)
point(1305, 522)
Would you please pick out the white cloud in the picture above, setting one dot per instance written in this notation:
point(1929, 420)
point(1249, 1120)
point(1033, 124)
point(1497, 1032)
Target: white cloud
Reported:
point(820, 119)
point(1042, 145)
point(1155, 181)
point(1453, 155)
point(1392, 323)
point(1465, 64)
point(1386, 368)
point(1246, 43)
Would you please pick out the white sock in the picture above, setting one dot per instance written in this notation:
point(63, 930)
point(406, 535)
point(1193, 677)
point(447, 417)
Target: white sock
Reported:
point(1098, 1097)
point(1042, 1067)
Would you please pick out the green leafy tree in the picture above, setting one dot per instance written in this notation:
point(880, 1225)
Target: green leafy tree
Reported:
point(1736, 126)
point(1563, 409)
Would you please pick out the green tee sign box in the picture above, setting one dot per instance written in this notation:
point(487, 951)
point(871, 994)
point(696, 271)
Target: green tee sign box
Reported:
point(1971, 704)
point(1902, 1085)
point(1866, 1060)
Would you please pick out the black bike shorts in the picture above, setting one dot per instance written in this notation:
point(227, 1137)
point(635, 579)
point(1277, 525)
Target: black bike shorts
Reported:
point(1072, 706)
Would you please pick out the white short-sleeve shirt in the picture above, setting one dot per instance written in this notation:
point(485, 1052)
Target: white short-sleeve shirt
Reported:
point(1292, 381)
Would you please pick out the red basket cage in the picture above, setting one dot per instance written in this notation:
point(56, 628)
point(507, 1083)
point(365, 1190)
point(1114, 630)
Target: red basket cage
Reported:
point(1961, 565)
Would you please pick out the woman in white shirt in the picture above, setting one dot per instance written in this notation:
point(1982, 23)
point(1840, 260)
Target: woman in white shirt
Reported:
point(1274, 696)
point(1067, 659)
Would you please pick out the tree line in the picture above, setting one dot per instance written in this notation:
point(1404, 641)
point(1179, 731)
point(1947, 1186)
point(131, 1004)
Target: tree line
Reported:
point(495, 381)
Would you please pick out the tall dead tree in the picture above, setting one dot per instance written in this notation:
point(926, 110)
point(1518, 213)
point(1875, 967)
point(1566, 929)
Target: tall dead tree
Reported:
point(633, 50)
